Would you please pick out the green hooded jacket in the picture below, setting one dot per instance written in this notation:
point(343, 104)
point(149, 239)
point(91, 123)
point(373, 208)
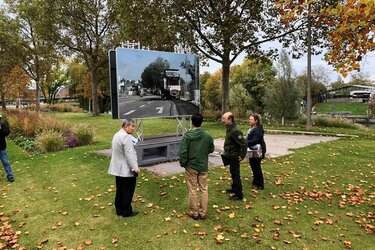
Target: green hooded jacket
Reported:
point(195, 146)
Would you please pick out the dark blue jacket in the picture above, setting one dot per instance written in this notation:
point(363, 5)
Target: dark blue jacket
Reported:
point(256, 136)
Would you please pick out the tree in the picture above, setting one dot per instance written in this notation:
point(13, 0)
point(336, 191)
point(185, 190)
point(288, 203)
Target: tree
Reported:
point(338, 83)
point(87, 29)
point(211, 91)
point(361, 78)
point(75, 72)
point(8, 40)
point(15, 85)
point(148, 22)
point(241, 101)
point(221, 30)
point(352, 33)
point(203, 79)
point(51, 85)
point(309, 40)
point(346, 29)
point(36, 53)
point(255, 75)
point(317, 85)
point(152, 75)
point(281, 98)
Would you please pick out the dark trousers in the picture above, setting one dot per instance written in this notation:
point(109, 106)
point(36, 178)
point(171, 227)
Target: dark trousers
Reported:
point(257, 172)
point(125, 187)
point(234, 168)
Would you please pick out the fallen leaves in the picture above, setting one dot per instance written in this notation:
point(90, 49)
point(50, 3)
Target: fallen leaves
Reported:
point(8, 236)
point(219, 239)
point(231, 215)
point(87, 242)
point(347, 244)
point(244, 236)
point(277, 222)
point(276, 235)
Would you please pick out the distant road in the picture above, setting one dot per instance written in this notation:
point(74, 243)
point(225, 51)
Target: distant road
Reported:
point(153, 106)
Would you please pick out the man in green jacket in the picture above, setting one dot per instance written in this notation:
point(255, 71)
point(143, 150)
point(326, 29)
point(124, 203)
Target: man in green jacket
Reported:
point(235, 148)
point(195, 146)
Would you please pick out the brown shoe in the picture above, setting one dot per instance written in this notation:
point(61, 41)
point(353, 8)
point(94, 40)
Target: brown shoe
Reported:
point(203, 217)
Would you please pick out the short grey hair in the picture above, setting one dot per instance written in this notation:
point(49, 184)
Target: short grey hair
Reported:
point(125, 122)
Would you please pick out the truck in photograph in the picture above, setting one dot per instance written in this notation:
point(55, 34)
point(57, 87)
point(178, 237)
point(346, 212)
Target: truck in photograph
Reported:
point(171, 84)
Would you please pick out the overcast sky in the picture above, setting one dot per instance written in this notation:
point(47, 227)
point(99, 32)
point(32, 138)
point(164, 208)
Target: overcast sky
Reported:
point(300, 65)
point(367, 65)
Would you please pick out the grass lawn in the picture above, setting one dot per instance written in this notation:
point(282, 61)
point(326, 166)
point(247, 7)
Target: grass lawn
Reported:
point(355, 108)
point(320, 197)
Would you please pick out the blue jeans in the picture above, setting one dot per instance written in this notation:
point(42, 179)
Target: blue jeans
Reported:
point(5, 161)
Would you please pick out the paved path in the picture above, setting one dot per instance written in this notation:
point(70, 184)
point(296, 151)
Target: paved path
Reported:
point(277, 145)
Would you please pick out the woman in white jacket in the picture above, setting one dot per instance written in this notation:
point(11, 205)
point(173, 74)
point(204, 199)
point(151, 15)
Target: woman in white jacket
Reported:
point(124, 166)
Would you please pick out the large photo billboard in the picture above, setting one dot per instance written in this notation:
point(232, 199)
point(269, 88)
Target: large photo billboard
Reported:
point(153, 83)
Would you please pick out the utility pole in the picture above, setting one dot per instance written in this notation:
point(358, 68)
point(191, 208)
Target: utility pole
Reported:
point(308, 108)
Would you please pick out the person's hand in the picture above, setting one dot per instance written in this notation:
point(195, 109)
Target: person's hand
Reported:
point(240, 158)
point(137, 170)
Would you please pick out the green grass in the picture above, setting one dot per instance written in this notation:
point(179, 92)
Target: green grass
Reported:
point(67, 197)
point(354, 108)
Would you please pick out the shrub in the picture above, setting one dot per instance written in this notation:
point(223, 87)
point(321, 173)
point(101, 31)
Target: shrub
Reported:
point(329, 122)
point(50, 123)
point(27, 144)
point(71, 139)
point(50, 141)
point(85, 134)
point(23, 122)
point(212, 116)
point(268, 119)
point(61, 107)
point(334, 122)
point(30, 123)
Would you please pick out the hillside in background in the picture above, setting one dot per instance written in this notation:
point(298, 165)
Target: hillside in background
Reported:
point(354, 108)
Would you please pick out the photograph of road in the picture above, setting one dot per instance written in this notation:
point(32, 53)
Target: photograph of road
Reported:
point(154, 106)
point(156, 84)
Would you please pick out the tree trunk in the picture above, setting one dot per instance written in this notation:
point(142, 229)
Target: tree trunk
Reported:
point(3, 104)
point(225, 84)
point(37, 98)
point(308, 108)
point(94, 93)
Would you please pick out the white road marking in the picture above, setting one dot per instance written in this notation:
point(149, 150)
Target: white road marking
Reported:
point(159, 109)
point(128, 113)
point(142, 106)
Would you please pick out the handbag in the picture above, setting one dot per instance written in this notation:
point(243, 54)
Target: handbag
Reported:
point(255, 151)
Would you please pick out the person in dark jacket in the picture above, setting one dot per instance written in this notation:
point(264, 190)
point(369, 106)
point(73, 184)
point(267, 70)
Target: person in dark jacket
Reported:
point(234, 152)
point(5, 131)
point(195, 146)
point(255, 136)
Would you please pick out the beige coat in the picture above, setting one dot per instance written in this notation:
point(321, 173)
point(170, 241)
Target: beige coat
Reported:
point(124, 157)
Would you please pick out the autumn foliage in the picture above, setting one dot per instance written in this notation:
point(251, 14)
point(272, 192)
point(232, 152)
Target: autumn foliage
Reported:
point(348, 28)
point(15, 84)
point(352, 35)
